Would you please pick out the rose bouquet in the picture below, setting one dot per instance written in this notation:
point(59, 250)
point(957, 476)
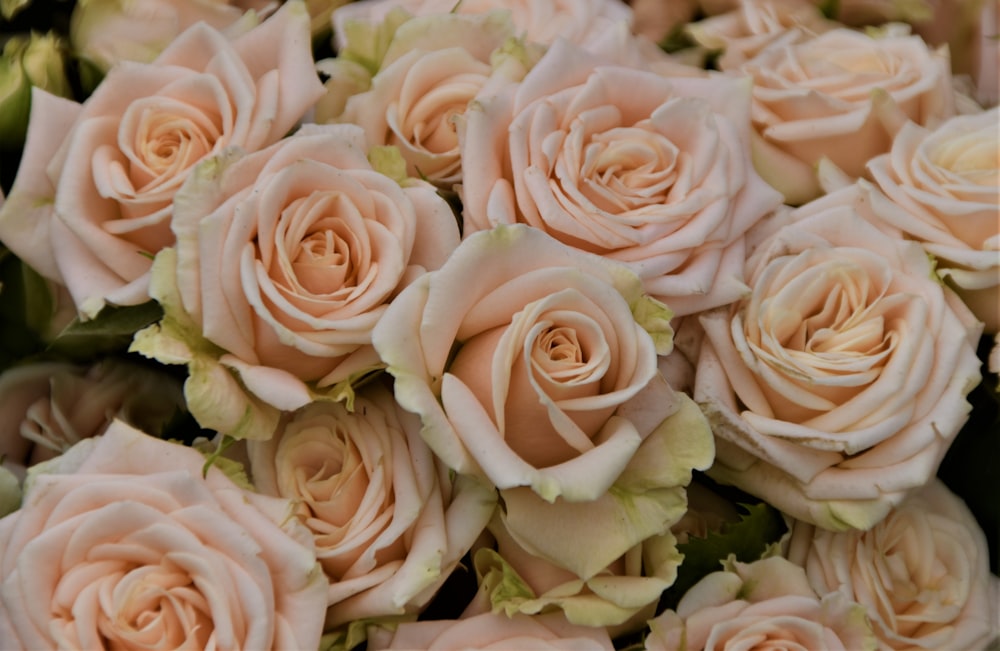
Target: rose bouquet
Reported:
point(419, 324)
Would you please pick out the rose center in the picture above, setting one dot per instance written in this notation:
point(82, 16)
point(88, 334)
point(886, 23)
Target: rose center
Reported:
point(625, 169)
point(429, 121)
point(167, 138)
point(154, 606)
point(323, 249)
point(975, 157)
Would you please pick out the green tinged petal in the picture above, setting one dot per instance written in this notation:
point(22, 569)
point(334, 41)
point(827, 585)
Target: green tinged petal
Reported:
point(366, 43)
point(654, 317)
point(214, 395)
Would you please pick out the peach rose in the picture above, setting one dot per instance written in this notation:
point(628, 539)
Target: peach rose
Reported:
point(106, 32)
point(741, 34)
point(944, 188)
point(923, 573)
point(388, 523)
point(548, 632)
point(522, 355)
point(50, 406)
point(541, 21)
point(841, 96)
point(285, 260)
point(649, 171)
point(767, 604)
point(838, 384)
point(124, 542)
point(436, 65)
point(578, 557)
point(534, 364)
point(97, 180)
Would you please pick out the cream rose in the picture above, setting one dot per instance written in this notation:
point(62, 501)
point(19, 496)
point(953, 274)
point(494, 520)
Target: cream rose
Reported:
point(944, 188)
point(521, 356)
point(840, 96)
point(620, 598)
point(923, 573)
point(388, 523)
point(541, 21)
point(50, 406)
point(649, 171)
point(285, 260)
point(838, 384)
point(123, 542)
point(527, 365)
point(434, 67)
point(742, 33)
point(548, 632)
point(92, 201)
point(767, 604)
point(577, 556)
point(106, 32)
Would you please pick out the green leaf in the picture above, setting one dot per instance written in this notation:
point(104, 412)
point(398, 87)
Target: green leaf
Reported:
point(25, 310)
point(747, 540)
point(109, 332)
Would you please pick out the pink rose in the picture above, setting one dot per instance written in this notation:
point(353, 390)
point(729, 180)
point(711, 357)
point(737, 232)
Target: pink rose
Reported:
point(106, 32)
point(388, 523)
point(923, 573)
point(767, 604)
point(124, 543)
point(522, 356)
point(534, 364)
point(744, 32)
point(944, 192)
point(434, 67)
point(548, 632)
point(286, 258)
point(840, 96)
point(838, 384)
point(97, 180)
point(645, 170)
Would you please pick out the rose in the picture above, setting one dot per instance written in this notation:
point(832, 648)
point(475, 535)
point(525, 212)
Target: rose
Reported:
point(944, 187)
point(433, 67)
point(105, 32)
point(388, 524)
point(840, 96)
point(518, 371)
point(97, 180)
point(124, 542)
point(285, 260)
point(767, 604)
point(525, 361)
point(492, 631)
point(541, 21)
point(923, 573)
point(838, 384)
point(49, 406)
point(650, 171)
point(574, 556)
point(745, 31)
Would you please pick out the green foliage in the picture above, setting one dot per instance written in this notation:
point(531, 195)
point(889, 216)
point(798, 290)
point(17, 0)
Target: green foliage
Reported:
point(109, 332)
point(26, 306)
point(747, 539)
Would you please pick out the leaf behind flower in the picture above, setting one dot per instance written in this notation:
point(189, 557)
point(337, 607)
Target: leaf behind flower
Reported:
point(760, 526)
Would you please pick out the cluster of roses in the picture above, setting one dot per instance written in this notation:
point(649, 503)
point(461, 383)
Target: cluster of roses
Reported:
point(489, 286)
